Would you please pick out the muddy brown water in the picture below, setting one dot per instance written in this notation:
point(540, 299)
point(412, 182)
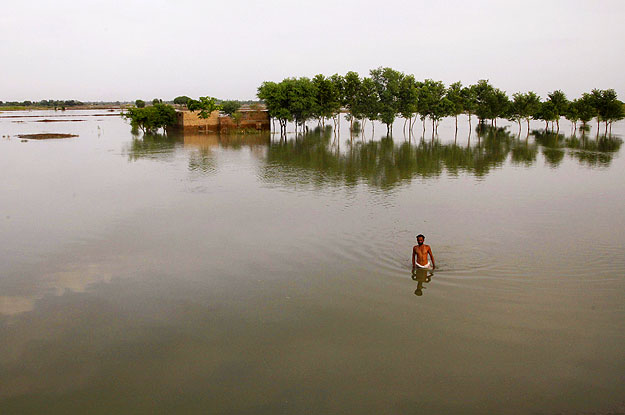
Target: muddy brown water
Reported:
point(249, 274)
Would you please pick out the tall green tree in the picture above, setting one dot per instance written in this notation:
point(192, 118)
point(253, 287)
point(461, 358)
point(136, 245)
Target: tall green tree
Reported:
point(351, 87)
point(327, 98)
point(368, 102)
point(387, 83)
point(546, 112)
point(339, 86)
point(606, 105)
point(275, 98)
point(560, 105)
point(469, 102)
point(430, 94)
point(456, 100)
point(301, 99)
point(140, 103)
point(616, 112)
point(484, 94)
point(407, 104)
point(586, 109)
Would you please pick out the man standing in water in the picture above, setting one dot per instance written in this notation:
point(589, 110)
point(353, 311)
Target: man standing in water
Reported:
point(422, 251)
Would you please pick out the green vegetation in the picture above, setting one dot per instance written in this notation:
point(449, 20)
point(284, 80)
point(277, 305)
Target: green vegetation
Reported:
point(205, 105)
point(230, 107)
point(140, 103)
point(181, 100)
point(387, 94)
point(46, 103)
point(315, 159)
point(152, 118)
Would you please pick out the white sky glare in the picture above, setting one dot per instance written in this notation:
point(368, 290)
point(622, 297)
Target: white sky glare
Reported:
point(111, 50)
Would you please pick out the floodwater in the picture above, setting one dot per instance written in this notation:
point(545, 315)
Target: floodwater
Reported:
point(260, 275)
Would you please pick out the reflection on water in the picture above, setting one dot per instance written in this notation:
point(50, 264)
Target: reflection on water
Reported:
point(317, 158)
point(591, 151)
point(193, 273)
point(421, 276)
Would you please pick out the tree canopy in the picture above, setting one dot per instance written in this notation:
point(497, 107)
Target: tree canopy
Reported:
point(387, 94)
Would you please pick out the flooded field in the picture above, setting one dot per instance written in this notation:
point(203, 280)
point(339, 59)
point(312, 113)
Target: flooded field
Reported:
point(261, 275)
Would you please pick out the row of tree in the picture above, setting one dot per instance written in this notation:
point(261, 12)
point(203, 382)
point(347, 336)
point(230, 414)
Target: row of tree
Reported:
point(387, 94)
point(48, 103)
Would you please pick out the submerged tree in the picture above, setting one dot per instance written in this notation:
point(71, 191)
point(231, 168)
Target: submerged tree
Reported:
point(560, 105)
point(327, 98)
point(351, 87)
point(407, 103)
point(151, 119)
point(469, 102)
point(456, 100)
point(387, 83)
point(368, 102)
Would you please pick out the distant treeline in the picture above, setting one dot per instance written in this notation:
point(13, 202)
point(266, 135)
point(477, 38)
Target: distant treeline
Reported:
point(48, 103)
point(387, 94)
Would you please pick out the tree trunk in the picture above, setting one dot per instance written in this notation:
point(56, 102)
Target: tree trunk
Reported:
point(456, 124)
point(558, 126)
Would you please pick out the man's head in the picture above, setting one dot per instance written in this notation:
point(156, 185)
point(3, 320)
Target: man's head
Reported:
point(420, 239)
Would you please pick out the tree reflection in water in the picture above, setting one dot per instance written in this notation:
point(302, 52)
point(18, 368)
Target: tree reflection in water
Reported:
point(319, 157)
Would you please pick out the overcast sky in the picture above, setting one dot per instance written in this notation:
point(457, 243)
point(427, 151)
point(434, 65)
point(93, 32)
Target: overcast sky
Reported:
point(123, 50)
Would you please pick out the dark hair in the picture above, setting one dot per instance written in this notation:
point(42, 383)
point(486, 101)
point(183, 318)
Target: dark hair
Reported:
point(421, 235)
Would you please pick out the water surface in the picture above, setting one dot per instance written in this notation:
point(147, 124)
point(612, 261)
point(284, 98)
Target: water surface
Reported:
point(259, 274)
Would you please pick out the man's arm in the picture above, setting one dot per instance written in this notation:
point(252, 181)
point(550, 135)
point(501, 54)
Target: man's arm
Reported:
point(431, 256)
point(413, 253)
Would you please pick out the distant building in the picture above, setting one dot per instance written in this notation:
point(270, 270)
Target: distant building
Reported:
point(251, 119)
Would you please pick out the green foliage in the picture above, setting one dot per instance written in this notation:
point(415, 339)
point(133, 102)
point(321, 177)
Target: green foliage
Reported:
point(351, 87)
point(430, 95)
point(367, 100)
point(387, 83)
point(151, 119)
point(140, 103)
point(157, 101)
point(546, 112)
point(181, 100)
point(559, 102)
point(327, 100)
point(585, 108)
point(274, 96)
point(236, 116)
point(388, 93)
point(230, 107)
point(484, 96)
point(469, 99)
point(205, 106)
point(407, 99)
point(48, 103)
point(455, 97)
